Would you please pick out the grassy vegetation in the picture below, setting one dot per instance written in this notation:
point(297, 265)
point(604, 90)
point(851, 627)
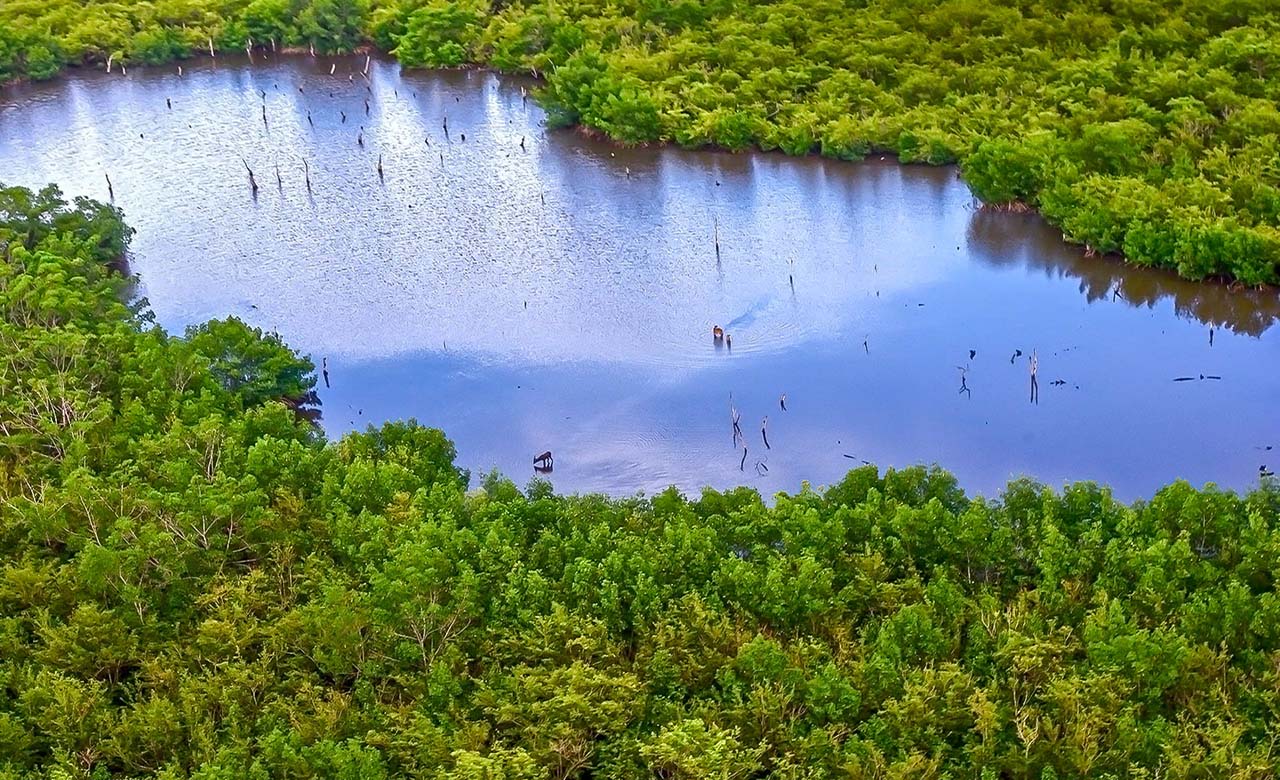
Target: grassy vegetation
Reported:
point(194, 583)
point(1143, 128)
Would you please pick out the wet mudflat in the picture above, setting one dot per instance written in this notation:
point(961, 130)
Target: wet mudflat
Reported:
point(529, 289)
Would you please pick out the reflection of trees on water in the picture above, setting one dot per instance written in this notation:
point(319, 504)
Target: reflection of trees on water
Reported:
point(1004, 239)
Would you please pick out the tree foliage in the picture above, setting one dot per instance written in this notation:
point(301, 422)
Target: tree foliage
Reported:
point(194, 583)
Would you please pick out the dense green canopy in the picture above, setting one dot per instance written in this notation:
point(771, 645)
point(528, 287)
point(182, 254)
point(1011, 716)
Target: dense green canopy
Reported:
point(1139, 127)
point(195, 584)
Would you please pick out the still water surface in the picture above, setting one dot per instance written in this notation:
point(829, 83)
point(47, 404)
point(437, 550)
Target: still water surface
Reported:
point(561, 295)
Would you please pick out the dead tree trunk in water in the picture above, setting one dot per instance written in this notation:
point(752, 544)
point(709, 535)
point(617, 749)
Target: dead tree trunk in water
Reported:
point(253, 183)
point(306, 172)
point(111, 193)
point(379, 166)
point(1035, 382)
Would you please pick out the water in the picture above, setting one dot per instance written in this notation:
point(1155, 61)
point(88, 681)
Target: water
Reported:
point(562, 296)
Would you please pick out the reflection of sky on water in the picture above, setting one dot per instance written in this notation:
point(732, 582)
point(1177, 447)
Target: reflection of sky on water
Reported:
point(571, 251)
point(561, 296)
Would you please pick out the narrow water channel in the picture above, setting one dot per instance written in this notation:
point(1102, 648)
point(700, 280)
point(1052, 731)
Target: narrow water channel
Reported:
point(528, 289)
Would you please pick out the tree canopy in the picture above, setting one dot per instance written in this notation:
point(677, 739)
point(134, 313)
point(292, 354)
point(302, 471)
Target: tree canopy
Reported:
point(195, 583)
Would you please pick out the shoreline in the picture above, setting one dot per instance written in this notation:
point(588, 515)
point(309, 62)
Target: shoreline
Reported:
point(596, 134)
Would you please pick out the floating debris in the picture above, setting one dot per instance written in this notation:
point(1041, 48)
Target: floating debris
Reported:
point(1201, 378)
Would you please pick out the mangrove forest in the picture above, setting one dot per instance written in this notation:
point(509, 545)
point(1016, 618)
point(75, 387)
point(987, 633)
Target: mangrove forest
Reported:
point(1139, 128)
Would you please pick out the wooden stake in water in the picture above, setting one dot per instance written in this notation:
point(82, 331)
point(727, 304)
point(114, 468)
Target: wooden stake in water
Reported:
point(211, 54)
point(367, 59)
point(110, 190)
point(332, 68)
point(715, 228)
point(1034, 361)
point(252, 182)
point(379, 166)
point(306, 172)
